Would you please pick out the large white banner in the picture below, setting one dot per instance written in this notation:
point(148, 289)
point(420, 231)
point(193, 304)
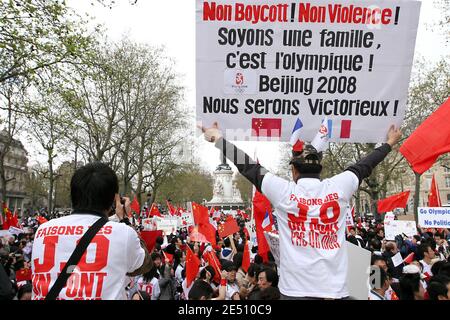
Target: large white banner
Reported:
point(266, 68)
point(434, 217)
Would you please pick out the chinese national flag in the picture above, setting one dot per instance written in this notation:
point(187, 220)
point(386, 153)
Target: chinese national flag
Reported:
point(200, 213)
point(430, 140)
point(229, 227)
point(398, 200)
point(149, 238)
point(154, 211)
point(246, 257)
point(434, 198)
point(168, 258)
point(192, 266)
point(23, 275)
point(135, 206)
point(266, 127)
point(261, 205)
point(8, 217)
point(172, 210)
point(15, 221)
point(213, 261)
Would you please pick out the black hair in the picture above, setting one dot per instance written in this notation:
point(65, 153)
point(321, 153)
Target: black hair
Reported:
point(237, 259)
point(258, 259)
point(375, 244)
point(209, 269)
point(227, 242)
point(26, 288)
point(409, 284)
point(253, 270)
point(200, 289)
point(438, 287)
point(153, 273)
point(93, 187)
point(445, 269)
point(307, 168)
point(271, 276)
point(270, 293)
point(422, 248)
point(143, 294)
point(155, 255)
point(436, 267)
point(376, 258)
point(439, 234)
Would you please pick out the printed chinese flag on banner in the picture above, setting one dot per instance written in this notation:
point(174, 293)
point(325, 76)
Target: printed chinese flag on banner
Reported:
point(266, 127)
point(154, 211)
point(149, 238)
point(135, 206)
point(396, 201)
point(192, 266)
point(261, 205)
point(430, 140)
point(246, 257)
point(434, 198)
point(229, 227)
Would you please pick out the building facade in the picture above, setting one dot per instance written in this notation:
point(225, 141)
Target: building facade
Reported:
point(16, 170)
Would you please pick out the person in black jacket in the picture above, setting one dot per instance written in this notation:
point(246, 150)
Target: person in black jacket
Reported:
point(6, 287)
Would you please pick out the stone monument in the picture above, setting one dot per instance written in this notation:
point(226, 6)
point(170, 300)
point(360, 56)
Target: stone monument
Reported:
point(225, 193)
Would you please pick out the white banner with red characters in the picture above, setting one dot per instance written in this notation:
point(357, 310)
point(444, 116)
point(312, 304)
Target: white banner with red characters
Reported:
point(266, 68)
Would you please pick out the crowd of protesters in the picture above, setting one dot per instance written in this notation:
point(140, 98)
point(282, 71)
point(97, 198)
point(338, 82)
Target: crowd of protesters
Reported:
point(424, 271)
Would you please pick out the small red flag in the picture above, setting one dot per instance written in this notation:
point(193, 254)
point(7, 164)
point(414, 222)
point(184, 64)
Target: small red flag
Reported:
point(168, 258)
point(409, 258)
point(135, 206)
point(261, 205)
point(192, 266)
point(398, 200)
point(426, 143)
point(149, 238)
point(154, 211)
point(434, 198)
point(229, 227)
point(246, 257)
point(200, 213)
point(23, 275)
point(213, 261)
point(171, 209)
point(266, 127)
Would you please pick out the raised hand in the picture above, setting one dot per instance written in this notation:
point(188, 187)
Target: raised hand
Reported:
point(212, 134)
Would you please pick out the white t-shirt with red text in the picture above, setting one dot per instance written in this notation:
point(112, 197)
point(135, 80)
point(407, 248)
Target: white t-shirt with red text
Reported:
point(101, 272)
point(152, 287)
point(311, 222)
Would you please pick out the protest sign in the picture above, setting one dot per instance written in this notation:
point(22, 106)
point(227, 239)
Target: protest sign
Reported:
point(349, 218)
point(5, 233)
point(434, 217)
point(149, 224)
point(274, 243)
point(185, 220)
point(16, 231)
point(389, 216)
point(265, 68)
point(167, 225)
point(251, 228)
point(397, 227)
point(357, 274)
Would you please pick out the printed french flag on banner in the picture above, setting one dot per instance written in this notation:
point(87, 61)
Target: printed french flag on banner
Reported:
point(266, 127)
point(296, 132)
point(320, 141)
point(266, 222)
point(346, 126)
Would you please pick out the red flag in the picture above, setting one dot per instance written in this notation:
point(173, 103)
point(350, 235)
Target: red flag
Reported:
point(264, 127)
point(23, 275)
point(409, 258)
point(41, 220)
point(154, 211)
point(149, 238)
point(246, 257)
point(8, 217)
point(15, 221)
point(213, 261)
point(261, 205)
point(398, 200)
point(168, 258)
point(229, 227)
point(434, 198)
point(427, 143)
point(135, 206)
point(171, 208)
point(192, 266)
point(200, 213)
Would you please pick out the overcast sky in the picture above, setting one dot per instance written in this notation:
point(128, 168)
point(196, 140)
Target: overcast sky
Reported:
point(148, 22)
